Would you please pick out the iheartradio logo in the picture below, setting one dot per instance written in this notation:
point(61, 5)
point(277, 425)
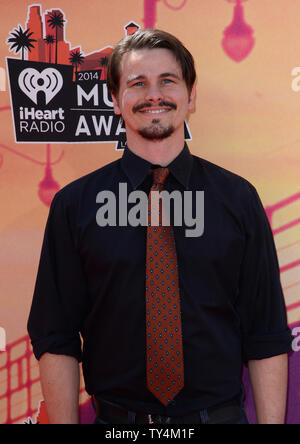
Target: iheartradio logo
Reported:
point(49, 81)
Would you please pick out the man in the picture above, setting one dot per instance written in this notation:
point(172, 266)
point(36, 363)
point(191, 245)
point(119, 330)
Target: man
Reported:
point(166, 319)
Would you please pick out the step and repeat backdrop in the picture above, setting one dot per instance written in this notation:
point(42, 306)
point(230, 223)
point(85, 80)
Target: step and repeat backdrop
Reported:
point(57, 124)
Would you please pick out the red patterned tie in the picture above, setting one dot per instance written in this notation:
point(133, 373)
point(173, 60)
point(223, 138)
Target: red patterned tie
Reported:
point(165, 373)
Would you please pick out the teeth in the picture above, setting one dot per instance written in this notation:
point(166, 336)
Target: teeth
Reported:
point(156, 112)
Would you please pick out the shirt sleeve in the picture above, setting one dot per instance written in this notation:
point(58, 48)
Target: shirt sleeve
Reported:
point(60, 297)
point(261, 305)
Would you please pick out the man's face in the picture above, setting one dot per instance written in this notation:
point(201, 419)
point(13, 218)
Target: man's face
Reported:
point(153, 98)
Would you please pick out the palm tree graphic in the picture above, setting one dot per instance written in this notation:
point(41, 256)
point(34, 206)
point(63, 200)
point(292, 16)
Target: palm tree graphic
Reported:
point(50, 40)
point(76, 60)
point(56, 20)
point(104, 63)
point(21, 41)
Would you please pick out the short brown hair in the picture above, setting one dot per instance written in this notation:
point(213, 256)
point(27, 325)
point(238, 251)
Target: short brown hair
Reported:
point(150, 39)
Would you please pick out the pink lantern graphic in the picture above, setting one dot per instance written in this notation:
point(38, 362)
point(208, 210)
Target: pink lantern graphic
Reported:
point(150, 11)
point(48, 187)
point(238, 39)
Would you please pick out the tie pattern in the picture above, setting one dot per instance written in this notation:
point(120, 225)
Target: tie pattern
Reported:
point(165, 372)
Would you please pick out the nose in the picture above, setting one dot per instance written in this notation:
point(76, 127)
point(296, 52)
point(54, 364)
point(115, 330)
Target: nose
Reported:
point(154, 93)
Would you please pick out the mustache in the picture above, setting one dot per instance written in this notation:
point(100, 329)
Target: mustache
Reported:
point(137, 108)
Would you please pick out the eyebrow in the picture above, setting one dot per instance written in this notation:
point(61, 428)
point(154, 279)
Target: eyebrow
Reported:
point(170, 74)
point(163, 75)
point(134, 78)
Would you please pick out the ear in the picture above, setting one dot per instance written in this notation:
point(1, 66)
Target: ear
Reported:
point(116, 105)
point(192, 98)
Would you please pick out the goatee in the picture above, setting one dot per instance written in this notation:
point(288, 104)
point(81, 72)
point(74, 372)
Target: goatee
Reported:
point(156, 131)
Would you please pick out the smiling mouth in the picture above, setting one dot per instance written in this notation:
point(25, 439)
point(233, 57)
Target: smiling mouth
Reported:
point(154, 111)
point(160, 108)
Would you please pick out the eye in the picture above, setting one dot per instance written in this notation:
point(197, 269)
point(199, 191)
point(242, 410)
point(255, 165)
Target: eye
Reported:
point(140, 83)
point(166, 81)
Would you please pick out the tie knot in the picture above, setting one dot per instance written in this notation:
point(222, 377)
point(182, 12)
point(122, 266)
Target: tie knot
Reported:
point(160, 175)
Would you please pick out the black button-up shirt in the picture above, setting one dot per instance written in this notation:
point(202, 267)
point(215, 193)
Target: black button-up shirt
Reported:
point(91, 286)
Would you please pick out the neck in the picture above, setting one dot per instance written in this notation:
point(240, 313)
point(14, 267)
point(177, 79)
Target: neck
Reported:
point(161, 152)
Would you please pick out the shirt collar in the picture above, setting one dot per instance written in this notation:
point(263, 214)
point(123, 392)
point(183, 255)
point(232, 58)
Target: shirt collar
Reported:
point(136, 168)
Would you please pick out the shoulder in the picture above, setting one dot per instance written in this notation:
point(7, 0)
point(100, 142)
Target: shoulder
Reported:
point(223, 180)
point(235, 194)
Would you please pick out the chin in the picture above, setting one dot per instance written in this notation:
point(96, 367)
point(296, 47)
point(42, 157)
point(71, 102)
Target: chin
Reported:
point(155, 133)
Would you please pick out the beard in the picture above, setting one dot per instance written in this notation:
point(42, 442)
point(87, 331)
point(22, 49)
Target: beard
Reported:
point(156, 131)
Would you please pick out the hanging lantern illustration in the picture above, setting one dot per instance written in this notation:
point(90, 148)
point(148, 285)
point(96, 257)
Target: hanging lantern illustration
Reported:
point(150, 11)
point(48, 187)
point(238, 39)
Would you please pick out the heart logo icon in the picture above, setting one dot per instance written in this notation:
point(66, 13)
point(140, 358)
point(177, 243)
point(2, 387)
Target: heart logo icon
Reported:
point(31, 81)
